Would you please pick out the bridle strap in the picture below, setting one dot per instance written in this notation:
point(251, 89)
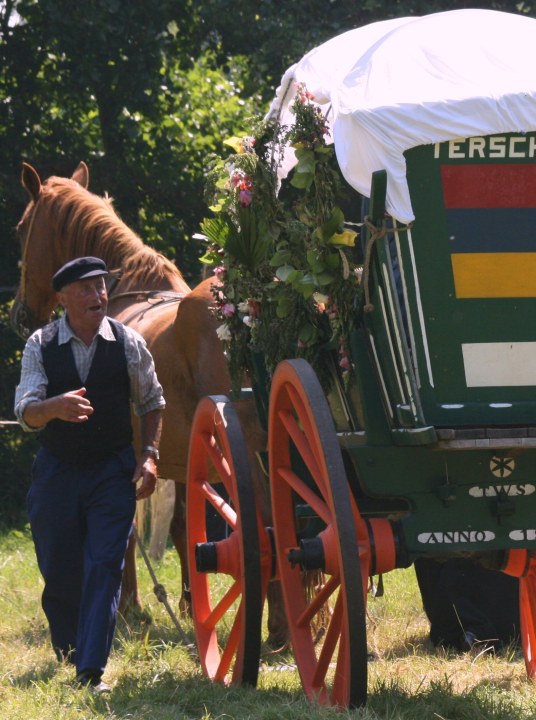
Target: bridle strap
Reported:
point(23, 264)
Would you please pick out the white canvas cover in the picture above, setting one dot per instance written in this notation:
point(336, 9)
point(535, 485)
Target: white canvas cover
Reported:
point(390, 86)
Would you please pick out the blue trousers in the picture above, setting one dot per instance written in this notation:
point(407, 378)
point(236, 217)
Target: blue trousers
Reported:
point(81, 518)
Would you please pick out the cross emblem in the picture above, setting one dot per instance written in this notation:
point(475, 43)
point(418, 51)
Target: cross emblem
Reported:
point(502, 467)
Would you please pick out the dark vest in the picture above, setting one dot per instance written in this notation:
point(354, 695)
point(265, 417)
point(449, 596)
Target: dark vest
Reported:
point(109, 428)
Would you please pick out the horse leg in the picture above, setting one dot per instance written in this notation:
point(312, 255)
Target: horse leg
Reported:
point(178, 535)
point(278, 630)
point(130, 595)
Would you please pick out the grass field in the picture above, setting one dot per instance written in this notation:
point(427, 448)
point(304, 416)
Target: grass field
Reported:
point(153, 677)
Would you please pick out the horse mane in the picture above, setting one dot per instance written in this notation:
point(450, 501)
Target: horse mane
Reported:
point(88, 225)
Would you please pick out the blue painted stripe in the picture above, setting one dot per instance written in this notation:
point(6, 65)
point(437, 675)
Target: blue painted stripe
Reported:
point(492, 230)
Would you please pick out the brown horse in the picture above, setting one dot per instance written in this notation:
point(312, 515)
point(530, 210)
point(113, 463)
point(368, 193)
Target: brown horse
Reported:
point(63, 221)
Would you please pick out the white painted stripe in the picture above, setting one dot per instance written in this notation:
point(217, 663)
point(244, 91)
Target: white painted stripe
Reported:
point(399, 340)
point(381, 375)
point(504, 364)
point(408, 309)
point(419, 308)
point(388, 331)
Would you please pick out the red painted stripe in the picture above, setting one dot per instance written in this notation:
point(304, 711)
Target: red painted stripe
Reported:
point(489, 186)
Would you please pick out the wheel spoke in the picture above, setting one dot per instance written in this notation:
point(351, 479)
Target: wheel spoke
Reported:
point(304, 448)
point(330, 643)
point(230, 648)
point(303, 418)
point(318, 505)
point(221, 608)
point(216, 500)
point(218, 459)
point(321, 599)
point(338, 694)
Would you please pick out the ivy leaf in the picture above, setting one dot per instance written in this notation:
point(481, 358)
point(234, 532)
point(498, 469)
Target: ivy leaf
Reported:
point(294, 276)
point(284, 271)
point(312, 256)
point(324, 278)
point(307, 279)
point(333, 260)
point(306, 332)
point(302, 181)
point(280, 258)
point(308, 290)
point(318, 266)
point(306, 161)
point(284, 307)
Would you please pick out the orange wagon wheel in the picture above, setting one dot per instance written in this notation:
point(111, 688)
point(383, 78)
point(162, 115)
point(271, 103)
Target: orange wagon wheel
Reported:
point(300, 417)
point(527, 607)
point(230, 628)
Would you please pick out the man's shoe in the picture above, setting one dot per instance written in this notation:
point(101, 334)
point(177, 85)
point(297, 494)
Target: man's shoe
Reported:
point(93, 683)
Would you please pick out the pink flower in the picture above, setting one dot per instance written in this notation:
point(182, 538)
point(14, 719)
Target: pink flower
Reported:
point(301, 344)
point(228, 309)
point(345, 363)
point(246, 196)
point(219, 272)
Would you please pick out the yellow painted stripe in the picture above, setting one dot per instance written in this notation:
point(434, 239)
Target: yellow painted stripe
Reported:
point(494, 275)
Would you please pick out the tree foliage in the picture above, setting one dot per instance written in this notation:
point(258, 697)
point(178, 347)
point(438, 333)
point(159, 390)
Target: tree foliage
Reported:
point(141, 91)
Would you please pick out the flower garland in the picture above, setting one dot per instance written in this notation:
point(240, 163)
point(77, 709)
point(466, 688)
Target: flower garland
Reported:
point(286, 281)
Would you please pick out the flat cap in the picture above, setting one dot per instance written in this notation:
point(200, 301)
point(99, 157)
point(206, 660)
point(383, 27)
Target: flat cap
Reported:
point(78, 269)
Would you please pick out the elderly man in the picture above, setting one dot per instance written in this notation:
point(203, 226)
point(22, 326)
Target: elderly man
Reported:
point(79, 375)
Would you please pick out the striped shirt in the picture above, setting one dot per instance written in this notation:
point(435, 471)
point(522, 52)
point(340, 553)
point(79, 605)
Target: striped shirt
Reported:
point(145, 390)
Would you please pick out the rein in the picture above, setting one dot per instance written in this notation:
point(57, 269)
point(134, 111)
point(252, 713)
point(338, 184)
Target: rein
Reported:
point(24, 264)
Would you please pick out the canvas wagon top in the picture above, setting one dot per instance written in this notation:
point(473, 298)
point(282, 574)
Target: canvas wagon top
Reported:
point(391, 86)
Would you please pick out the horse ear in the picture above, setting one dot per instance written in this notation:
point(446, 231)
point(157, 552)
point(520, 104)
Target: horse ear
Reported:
point(81, 175)
point(31, 181)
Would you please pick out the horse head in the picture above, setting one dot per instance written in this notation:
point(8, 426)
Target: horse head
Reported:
point(36, 300)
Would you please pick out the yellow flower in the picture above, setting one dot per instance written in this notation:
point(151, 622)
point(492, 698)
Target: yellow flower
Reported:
point(236, 144)
point(346, 238)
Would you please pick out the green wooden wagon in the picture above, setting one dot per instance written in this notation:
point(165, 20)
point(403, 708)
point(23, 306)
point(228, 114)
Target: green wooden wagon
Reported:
point(432, 452)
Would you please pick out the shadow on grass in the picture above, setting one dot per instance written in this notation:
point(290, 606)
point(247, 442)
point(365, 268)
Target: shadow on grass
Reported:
point(392, 700)
point(197, 697)
point(43, 673)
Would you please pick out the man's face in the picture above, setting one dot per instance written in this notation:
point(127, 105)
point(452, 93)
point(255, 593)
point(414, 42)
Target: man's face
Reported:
point(85, 302)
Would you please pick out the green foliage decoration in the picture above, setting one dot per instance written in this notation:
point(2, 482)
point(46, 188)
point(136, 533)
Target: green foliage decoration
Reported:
point(287, 283)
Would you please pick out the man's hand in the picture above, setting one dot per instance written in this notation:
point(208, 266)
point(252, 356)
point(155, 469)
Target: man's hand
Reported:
point(146, 469)
point(71, 406)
